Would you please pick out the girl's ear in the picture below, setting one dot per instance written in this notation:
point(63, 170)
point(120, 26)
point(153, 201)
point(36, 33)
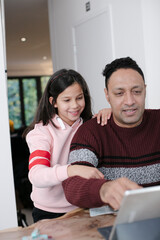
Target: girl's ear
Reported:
point(51, 100)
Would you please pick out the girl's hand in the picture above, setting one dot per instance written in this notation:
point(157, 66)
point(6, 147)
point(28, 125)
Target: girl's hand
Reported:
point(84, 171)
point(103, 116)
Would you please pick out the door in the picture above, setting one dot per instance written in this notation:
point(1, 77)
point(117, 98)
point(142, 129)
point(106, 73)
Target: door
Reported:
point(93, 48)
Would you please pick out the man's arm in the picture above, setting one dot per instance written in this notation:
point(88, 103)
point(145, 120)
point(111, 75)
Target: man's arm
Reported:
point(112, 192)
point(83, 192)
point(89, 193)
point(84, 150)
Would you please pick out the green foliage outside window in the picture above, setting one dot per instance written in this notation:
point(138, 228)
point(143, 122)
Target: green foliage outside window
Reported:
point(14, 102)
point(44, 81)
point(30, 99)
point(22, 111)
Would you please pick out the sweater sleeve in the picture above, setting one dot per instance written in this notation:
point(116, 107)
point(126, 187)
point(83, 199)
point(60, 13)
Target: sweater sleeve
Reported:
point(41, 173)
point(83, 192)
point(84, 150)
point(41, 176)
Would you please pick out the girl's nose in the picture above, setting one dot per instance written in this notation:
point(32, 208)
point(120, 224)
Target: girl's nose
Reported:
point(74, 104)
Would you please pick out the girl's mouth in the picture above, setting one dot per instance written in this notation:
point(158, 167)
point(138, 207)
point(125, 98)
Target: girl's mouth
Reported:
point(74, 113)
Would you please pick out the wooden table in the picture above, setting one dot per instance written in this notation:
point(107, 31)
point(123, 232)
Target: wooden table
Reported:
point(76, 225)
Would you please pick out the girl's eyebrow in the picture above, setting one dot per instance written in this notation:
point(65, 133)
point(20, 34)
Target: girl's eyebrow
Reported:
point(65, 97)
point(70, 96)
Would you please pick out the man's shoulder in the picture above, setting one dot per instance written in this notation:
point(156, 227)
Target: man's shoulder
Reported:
point(88, 127)
point(152, 116)
point(92, 121)
point(152, 111)
point(91, 124)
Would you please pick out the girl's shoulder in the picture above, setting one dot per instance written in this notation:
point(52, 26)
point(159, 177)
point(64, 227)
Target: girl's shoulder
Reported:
point(39, 131)
point(39, 138)
point(41, 128)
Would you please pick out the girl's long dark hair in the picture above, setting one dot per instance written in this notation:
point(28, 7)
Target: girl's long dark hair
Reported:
point(58, 82)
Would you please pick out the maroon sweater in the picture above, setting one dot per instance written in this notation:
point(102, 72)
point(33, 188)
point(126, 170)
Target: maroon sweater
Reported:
point(117, 152)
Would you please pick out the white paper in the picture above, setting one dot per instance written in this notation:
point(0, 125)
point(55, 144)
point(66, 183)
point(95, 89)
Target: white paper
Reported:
point(101, 211)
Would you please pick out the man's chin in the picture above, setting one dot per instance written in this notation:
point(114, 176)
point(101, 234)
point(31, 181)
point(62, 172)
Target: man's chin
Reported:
point(131, 122)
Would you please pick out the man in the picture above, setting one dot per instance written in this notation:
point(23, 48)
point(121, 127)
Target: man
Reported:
point(126, 150)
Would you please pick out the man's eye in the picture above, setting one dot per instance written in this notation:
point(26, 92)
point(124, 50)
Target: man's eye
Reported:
point(119, 93)
point(137, 92)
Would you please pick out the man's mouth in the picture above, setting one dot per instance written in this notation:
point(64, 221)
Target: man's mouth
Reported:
point(130, 112)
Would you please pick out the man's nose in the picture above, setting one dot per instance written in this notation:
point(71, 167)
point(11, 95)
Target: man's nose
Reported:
point(129, 98)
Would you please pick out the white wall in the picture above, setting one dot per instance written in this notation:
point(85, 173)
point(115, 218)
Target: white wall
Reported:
point(8, 216)
point(135, 33)
point(151, 29)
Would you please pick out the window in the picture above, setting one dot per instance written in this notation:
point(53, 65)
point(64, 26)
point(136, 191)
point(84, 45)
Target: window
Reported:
point(14, 102)
point(24, 94)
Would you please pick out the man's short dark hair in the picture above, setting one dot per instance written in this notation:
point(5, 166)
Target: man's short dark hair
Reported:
point(119, 63)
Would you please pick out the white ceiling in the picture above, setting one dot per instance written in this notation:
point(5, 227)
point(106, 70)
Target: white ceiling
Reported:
point(27, 18)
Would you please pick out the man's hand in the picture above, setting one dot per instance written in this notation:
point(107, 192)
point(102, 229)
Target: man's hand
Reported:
point(112, 192)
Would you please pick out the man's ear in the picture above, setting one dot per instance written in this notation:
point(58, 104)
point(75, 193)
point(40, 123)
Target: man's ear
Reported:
point(106, 95)
point(145, 90)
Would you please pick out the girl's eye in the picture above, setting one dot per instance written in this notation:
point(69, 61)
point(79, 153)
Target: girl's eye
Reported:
point(79, 98)
point(66, 100)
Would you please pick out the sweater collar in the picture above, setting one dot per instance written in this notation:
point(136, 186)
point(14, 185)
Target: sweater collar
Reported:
point(133, 129)
point(64, 125)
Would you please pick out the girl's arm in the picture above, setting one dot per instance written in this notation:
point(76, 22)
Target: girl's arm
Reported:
point(41, 172)
point(103, 116)
point(42, 176)
point(84, 171)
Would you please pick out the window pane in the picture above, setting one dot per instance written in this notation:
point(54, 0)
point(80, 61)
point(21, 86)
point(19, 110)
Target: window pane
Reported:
point(14, 102)
point(30, 99)
point(44, 81)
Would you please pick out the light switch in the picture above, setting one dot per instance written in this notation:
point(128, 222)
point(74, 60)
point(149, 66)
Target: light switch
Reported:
point(88, 7)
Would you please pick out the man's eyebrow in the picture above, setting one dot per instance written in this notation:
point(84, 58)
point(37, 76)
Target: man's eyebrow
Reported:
point(121, 88)
point(137, 86)
point(118, 88)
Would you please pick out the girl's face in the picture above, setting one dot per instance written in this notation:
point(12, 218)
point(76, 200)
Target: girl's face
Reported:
point(70, 103)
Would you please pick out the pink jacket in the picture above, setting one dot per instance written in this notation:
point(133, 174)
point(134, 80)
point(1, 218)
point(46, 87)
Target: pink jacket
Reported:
point(49, 149)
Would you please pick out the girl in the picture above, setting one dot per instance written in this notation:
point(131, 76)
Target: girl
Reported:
point(65, 102)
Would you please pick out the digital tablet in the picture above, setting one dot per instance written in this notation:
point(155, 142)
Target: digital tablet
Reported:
point(137, 205)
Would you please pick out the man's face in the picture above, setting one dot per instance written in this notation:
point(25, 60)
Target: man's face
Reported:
point(126, 95)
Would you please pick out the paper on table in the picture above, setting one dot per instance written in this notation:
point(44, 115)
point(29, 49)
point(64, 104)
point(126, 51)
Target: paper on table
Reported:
point(101, 211)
